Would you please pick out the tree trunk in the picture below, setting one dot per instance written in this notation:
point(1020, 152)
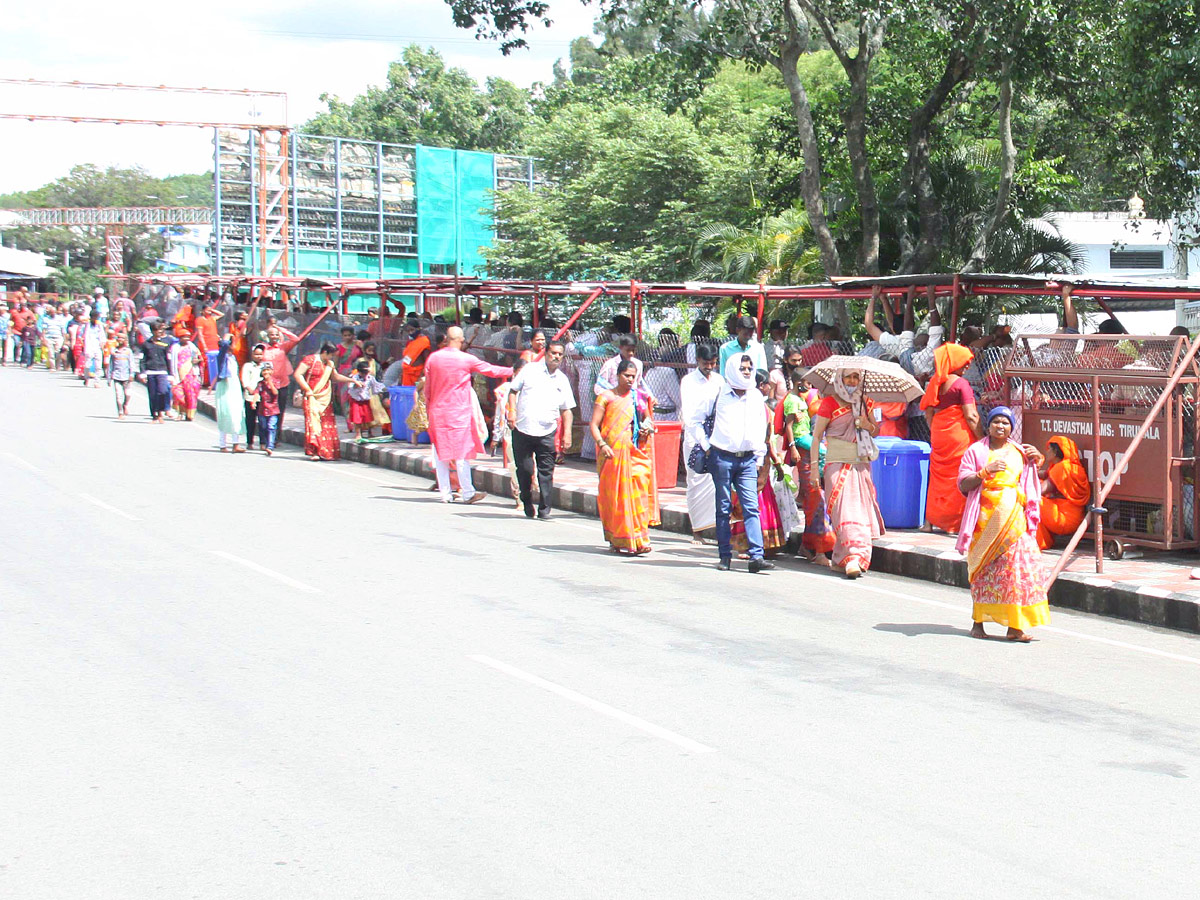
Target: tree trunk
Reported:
point(860, 168)
point(1008, 168)
point(810, 179)
point(920, 176)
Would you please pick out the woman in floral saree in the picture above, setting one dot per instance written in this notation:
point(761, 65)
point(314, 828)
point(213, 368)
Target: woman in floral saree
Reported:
point(1004, 565)
point(628, 497)
point(316, 375)
point(846, 422)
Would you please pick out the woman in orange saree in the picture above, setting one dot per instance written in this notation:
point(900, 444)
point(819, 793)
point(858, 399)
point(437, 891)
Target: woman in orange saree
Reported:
point(1004, 566)
point(949, 405)
point(315, 376)
point(1066, 491)
point(628, 497)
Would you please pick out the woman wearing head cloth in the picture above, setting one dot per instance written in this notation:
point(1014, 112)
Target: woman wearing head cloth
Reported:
point(231, 407)
point(1066, 491)
point(949, 405)
point(1004, 566)
point(846, 423)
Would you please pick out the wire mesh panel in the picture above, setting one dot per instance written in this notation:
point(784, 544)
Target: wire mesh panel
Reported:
point(1098, 391)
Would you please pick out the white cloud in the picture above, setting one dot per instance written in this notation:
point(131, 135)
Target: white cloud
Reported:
point(303, 49)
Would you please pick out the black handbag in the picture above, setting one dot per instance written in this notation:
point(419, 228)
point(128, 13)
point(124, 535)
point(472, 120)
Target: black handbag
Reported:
point(699, 459)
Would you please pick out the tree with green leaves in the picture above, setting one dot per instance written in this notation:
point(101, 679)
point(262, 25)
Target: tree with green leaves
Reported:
point(426, 102)
point(91, 186)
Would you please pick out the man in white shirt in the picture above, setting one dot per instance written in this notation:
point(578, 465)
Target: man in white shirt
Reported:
point(698, 392)
point(744, 342)
point(890, 344)
point(737, 448)
point(537, 397)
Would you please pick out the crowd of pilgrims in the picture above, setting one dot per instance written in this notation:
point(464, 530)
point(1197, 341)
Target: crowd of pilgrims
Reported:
point(807, 468)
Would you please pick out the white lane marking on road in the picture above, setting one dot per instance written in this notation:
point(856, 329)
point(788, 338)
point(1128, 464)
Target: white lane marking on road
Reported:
point(595, 705)
point(1053, 629)
point(25, 464)
point(270, 573)
point(112, 509)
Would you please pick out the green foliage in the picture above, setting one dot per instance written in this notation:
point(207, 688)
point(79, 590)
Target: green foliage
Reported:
point(89, 185)
point(424, 102)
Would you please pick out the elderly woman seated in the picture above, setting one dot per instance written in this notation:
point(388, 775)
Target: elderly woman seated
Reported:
point(1066, 491)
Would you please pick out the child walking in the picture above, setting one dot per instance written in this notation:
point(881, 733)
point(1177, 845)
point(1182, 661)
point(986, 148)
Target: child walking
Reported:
point(120, 374)
point(268, 410)
point(363, 387)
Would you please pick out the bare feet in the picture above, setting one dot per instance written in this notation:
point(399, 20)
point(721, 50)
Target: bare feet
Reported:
point(820, 559)
point(978, 632)
point(1018, 636)
point(853, 569)
point(927, 528)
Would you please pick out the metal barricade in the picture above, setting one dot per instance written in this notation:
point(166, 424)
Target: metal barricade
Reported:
point(1098, 390)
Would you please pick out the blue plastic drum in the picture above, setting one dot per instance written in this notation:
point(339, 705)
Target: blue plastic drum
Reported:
point(901, 477)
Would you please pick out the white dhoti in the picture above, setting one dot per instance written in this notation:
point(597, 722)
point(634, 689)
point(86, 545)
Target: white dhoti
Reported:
point(701, 495)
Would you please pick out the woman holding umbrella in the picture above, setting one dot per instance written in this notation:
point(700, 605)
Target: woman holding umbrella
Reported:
point(851, 386)
point(846, 422)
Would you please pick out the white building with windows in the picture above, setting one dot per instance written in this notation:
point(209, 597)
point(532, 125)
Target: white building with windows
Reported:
point(1126, 246)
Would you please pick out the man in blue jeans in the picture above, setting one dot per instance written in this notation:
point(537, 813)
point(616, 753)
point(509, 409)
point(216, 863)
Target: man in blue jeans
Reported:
point(736, 448)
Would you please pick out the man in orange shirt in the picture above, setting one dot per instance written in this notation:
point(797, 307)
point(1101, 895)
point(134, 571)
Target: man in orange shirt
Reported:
point(206, 336)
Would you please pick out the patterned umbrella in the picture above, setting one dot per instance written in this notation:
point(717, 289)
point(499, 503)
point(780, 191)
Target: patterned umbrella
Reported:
point(882, 381)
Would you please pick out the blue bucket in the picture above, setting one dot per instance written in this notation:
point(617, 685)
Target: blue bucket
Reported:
point(901, 477)
point(402, 400)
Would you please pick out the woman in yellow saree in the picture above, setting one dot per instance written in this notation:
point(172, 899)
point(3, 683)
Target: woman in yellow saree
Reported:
point(628, 497)
point(1004, 565)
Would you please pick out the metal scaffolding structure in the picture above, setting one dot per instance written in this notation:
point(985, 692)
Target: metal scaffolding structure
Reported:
point(114, 215)
point(262, 114)
point(335, 207)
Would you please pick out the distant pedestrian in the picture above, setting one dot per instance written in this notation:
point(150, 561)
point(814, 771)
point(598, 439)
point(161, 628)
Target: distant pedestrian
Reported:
point(502, 429)
point(231, 407)
point(744, 343)
point(252, 376)
point(120, 374)
point(156, 370)
point(540, 395)
point(268, 411)
point(30, 338)
point(184, 361)
point(94, 336)
point(453, 428)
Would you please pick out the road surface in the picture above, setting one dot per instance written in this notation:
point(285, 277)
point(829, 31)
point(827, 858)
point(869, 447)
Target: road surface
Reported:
point(240, 677)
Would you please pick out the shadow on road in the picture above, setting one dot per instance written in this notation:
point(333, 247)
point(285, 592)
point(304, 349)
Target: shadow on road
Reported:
point(916, 629)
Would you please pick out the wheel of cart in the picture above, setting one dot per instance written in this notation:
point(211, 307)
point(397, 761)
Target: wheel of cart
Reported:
point(1114, 548)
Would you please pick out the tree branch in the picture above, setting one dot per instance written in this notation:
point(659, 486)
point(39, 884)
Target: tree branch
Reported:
point(1008, 168)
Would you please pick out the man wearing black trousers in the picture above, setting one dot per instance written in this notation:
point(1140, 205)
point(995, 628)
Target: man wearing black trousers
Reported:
point(539, 395)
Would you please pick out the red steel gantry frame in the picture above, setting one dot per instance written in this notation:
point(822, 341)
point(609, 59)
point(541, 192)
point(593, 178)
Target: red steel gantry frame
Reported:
point(269, 122)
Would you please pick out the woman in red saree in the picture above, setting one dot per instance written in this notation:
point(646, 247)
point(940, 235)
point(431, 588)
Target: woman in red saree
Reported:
point(315, 375)
point(953, 418)
point(1066, 491)
point(628, 496)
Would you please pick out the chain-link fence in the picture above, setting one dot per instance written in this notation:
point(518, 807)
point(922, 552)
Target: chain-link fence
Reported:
point(1098, 390)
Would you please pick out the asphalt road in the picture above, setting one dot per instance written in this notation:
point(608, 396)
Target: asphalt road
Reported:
point(238, 677)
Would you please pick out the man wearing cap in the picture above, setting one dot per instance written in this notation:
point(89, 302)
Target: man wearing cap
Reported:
point(744, 343)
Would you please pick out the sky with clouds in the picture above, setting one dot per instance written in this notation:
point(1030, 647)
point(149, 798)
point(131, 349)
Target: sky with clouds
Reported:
point(301, 48)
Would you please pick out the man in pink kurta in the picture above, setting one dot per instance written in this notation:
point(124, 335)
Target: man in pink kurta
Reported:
point(449, 401)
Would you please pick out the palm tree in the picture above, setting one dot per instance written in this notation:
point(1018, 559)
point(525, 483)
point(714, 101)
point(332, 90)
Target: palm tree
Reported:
point(774, 252)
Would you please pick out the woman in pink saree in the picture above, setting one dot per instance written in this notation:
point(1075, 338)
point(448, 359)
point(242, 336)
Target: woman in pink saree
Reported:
point(184, 359)
point(845, 421)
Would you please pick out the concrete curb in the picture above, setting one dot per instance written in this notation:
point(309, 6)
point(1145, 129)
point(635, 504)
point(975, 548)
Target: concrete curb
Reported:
point(1086, 593)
